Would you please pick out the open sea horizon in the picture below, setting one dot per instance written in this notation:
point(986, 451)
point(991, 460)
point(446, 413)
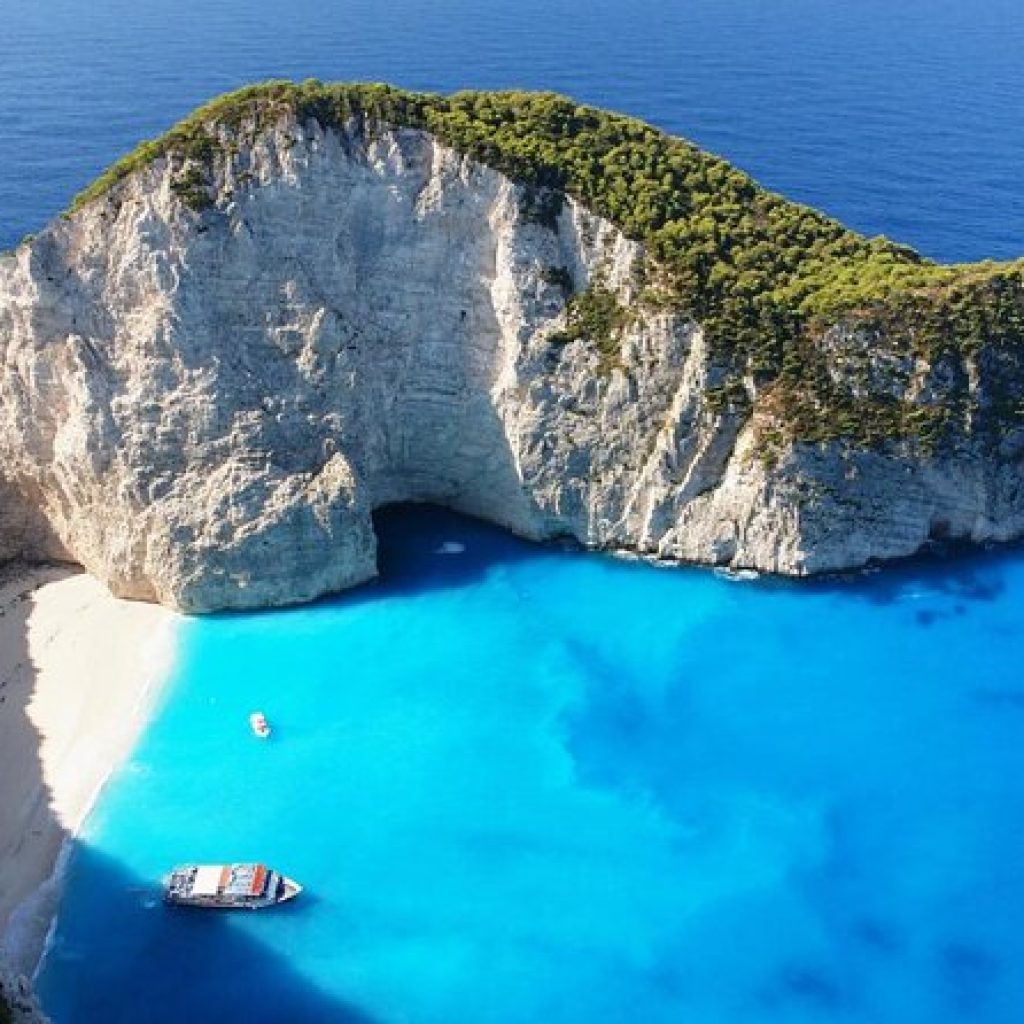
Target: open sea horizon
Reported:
point(522, 783)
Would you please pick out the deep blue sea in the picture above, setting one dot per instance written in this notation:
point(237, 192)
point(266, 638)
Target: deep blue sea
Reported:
point(900, 117)
point(524, 784)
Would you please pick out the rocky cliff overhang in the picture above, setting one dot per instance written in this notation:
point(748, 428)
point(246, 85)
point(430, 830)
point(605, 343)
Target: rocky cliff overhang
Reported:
point(310, 301)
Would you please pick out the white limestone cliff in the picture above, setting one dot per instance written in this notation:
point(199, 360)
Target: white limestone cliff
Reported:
point(204, 408)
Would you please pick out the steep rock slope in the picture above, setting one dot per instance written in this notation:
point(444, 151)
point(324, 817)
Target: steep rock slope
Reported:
point(214, 371)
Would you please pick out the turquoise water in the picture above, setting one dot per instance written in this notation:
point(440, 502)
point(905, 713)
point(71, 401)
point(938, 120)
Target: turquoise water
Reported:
point(524, 784)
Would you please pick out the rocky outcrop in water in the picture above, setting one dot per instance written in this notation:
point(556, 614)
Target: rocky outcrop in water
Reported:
point(204, 402)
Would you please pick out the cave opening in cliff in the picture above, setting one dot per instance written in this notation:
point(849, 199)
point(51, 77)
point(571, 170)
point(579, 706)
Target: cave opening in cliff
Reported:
point(425, 546)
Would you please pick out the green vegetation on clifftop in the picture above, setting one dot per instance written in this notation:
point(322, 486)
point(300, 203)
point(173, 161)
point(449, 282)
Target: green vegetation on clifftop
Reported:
point(766, 277)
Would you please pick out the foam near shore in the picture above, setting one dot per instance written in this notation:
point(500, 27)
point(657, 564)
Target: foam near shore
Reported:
point(78, 671)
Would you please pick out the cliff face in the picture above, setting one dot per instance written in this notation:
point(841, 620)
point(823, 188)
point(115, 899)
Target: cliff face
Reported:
point(204, 407)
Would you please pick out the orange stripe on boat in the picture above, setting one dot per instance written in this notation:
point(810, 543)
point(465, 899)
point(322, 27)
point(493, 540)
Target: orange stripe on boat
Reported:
point(258, 878)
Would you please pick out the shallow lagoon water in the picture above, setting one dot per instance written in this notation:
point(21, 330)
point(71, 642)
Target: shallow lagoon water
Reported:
point(527, 784)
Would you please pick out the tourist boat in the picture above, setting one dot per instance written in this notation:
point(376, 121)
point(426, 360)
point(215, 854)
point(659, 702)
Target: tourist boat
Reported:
point(260, 725)
point(228, 886)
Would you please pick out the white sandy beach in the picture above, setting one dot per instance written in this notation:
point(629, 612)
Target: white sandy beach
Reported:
point(78, 670)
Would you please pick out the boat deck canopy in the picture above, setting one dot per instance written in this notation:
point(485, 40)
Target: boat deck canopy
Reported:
point(208, 880)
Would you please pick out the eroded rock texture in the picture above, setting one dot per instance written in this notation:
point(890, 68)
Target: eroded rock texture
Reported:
point(204, 407)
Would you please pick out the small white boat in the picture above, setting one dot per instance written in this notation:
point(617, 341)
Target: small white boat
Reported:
point(450, 547)
point(259, 724)
point(228, 886)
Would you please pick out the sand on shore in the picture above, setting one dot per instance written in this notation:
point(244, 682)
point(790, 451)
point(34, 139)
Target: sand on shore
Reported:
point(78, 670)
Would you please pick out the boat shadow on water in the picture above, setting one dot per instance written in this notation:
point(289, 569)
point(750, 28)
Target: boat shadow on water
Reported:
point(163, 964)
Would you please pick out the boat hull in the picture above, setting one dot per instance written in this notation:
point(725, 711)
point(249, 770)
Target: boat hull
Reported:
point(280, 890)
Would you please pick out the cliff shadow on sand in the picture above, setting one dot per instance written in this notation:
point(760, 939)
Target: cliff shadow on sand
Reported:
point(31, 835)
